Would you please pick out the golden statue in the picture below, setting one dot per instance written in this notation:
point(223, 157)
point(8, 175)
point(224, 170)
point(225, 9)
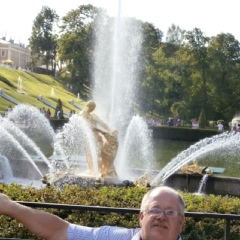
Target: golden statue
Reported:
point(192, 169)
point(106, 142)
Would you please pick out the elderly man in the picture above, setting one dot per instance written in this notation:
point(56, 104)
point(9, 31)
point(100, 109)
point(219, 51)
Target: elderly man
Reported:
point(161, 218)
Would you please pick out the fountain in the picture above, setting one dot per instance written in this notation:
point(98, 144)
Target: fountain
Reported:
point(20, 85)
point(26, 137)
point(63, 156)
point(71, 147)
point(202, 185)
point(22, 132)
point(222, 149)
point(223, 145)
point(52, 92)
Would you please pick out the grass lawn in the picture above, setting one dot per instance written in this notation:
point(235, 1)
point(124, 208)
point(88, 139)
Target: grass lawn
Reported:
point(34, 85)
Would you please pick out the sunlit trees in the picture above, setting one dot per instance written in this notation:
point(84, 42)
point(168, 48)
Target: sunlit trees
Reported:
point(43, 40)
point(181, 76)
point(197, 51)
point(224, 57)
point(75, 43)
point(150, 84)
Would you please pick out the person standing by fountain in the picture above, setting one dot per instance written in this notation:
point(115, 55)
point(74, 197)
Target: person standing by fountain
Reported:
point(161, 218)
point(59, 107)
point(102, 141)
point(220, 127)
point(48, 113)
point(9, 108)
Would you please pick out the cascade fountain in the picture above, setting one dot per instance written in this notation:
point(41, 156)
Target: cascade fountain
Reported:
point(114, 77)
point(26, 133)
point(117, 58)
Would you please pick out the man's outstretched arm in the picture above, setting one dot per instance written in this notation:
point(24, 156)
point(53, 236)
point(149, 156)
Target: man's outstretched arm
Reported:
point(44, 225)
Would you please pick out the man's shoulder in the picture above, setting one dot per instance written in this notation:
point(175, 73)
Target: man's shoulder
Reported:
point(104, 232)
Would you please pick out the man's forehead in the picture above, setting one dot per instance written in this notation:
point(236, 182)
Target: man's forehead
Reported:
point(166, 198)
point(162, 194)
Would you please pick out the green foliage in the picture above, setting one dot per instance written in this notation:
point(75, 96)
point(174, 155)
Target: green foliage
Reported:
point(202, 119)
point(43, 40)
point(175, 34)
point(195, 228)
point(76, 43)
point(190, 68)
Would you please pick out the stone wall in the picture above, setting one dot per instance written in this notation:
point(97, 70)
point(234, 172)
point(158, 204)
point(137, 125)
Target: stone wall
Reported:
point(217, 185)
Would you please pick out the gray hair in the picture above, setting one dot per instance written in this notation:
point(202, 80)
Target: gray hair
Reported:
point(162, 189)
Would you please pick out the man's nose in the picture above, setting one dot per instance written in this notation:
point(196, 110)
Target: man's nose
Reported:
point(161, 215)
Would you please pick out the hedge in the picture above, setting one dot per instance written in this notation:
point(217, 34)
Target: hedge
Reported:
point(182, 133)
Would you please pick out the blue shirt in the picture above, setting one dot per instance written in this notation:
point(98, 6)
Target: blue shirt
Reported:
point(77, 232)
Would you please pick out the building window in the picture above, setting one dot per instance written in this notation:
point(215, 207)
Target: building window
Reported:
point(3, 53)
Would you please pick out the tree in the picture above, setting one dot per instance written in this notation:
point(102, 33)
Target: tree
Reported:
point(149, 85)
point(76, 43)
point(179, 109)
point(202, 119)
point(224, 59)
point(43, 41)
point(199, 65)
point(175, 35)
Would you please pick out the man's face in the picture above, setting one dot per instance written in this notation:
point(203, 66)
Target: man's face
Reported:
point(160, 226)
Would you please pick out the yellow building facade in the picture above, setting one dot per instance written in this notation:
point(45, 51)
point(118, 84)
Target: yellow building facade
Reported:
point(14, 55)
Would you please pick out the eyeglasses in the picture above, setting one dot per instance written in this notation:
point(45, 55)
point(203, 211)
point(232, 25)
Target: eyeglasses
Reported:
point(166, 212)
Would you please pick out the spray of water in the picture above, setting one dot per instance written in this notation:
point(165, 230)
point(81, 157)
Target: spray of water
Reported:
point(23, 139)
point(137, 149)
point(117, 54)
point(13, 144)
point(73, 138)
point(202, 184)
point(6, 169)
point(116, 67)
point(33, 123)
point(223, 144)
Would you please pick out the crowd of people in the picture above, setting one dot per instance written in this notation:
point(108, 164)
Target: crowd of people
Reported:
point(47, 113)
point(171, 121)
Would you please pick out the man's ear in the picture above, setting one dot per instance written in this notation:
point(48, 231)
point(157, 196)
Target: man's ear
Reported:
point(182, 221)
point(141, 216)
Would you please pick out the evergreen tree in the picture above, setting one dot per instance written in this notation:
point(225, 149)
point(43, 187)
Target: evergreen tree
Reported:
point(202, 119)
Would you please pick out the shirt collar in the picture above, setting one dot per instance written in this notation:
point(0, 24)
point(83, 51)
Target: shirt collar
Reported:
point(137, 236)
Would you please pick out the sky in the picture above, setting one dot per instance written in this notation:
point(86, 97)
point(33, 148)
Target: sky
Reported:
point(211, 16)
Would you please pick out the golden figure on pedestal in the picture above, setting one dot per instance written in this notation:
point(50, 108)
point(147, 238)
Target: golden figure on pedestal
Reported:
point(106, 141)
